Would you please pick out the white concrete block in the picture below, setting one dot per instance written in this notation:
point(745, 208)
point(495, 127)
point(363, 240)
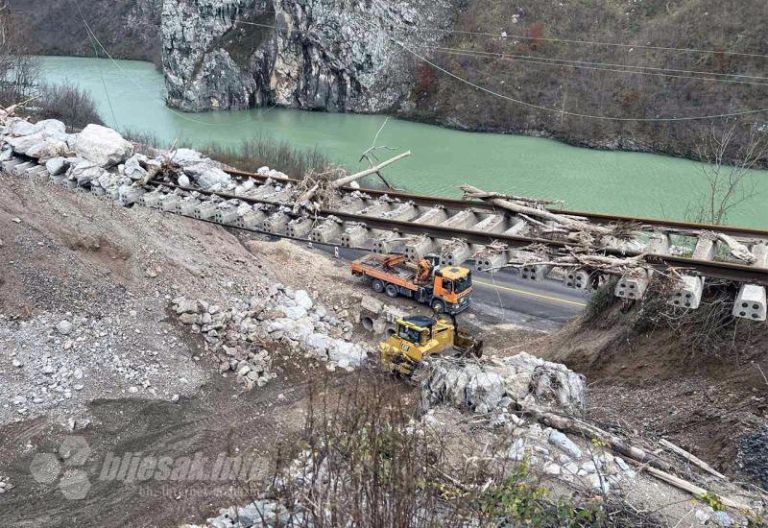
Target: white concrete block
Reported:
point(659, 244)
point(633, 284)
point(355, 236)
point(276, 223)
point(326, 232)
point(352, 204)
point(705, 249)
point(687, 293)
point(455, 253)
point(750, 303)
point(171, 203)
point(205, 211)
point(128, 195)
point(376, 208)
point(387, 242)
point(579, 279)
point(299, 228)
point(416, 248)
point(432, 216)
point(226, 215)
point(519, 228)
point(491, 260)
point(251, 220)
point(491, 224)
point(465, 219)
point(402, 213)
point(188, 206)
point(151, 199)
point(535, 272)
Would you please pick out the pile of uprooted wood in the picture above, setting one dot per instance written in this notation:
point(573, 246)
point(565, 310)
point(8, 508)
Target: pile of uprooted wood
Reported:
point(612, 248)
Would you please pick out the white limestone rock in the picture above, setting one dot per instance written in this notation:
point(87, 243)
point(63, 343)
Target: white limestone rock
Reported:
point(103, 146)
point(482, 386)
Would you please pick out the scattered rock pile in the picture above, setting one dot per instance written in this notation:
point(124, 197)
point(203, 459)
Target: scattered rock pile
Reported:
point(99, 159)
point(488, 385)
point(240, 335)
point(554, 454)
point(5, 485)
point(61, 361)
point(261, 513)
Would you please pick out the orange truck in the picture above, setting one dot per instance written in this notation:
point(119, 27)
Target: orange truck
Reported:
point(445, 289)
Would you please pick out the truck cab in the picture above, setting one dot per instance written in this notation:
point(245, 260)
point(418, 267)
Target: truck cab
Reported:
point(452, 289)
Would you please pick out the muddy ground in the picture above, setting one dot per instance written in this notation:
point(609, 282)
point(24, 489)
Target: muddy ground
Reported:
point(69, 255)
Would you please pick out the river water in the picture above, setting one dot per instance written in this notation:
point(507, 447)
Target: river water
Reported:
point(129, 96)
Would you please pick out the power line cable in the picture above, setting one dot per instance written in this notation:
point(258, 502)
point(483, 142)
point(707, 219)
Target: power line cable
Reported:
point(548, 109)
point(606, 64)
point(584, 42)
point(570, 64)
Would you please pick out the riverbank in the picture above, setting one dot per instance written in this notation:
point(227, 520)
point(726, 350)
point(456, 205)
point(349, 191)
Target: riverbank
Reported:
point(129, 96)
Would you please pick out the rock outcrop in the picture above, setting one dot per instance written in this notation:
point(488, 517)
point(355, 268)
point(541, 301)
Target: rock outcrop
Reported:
point(327, 54)
point(487, 385)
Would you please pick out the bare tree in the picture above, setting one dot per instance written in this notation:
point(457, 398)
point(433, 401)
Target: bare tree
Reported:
point(729, 154)
point(19, 71)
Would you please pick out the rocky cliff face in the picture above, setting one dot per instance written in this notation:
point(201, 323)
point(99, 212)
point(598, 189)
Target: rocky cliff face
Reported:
point(339, 55)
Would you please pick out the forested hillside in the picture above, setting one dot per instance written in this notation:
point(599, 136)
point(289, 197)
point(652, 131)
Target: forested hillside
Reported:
point(129, 29)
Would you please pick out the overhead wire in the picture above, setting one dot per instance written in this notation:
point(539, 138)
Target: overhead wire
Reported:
point(511, 37)
point(585, 42)
point(563, 112)
point(578, 63)
point(101, 73)
point(545, 61)
point(520, 101)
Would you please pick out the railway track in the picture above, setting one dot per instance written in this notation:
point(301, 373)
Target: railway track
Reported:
point(667, 226)
point(459, 231)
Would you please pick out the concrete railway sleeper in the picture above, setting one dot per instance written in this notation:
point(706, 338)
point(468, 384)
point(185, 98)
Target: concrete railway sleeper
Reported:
point(477, 233)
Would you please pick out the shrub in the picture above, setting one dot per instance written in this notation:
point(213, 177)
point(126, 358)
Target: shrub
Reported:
point(254, 153)
point(67, 103)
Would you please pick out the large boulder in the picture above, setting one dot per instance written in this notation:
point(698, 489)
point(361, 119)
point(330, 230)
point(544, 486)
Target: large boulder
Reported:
point(85, 172)
point(133, 168)
point(43, 140)
point(185, 157)
point(214, 179)
point(483, 386)
point(52, 127)
point(103, 146)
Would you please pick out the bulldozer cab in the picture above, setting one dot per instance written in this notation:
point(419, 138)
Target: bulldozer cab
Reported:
point(418, 337)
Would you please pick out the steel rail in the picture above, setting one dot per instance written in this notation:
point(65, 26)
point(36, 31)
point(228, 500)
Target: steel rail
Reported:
point(600, 218)
point(721, 270)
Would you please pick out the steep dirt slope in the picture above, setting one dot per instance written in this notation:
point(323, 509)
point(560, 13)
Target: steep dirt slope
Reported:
point(666, 374)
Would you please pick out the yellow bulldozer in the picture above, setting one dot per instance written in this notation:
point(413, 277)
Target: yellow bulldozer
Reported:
point(419, 337)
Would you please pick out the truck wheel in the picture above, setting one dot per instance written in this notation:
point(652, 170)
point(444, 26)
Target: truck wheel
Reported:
point(391, 290)
point(377, 286)
point(438, 306)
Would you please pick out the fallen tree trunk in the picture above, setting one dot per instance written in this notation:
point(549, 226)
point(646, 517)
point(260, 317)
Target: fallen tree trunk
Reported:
point(691, 458)
point(639, 456)
point(581, 428)
point(695, 490)
point(471, 192)
point(737, 249)
point(346, 180)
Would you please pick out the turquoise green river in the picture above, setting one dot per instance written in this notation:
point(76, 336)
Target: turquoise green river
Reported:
point(130, 96)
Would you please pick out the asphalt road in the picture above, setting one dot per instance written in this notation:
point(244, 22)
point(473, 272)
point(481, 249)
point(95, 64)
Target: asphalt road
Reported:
point(502, 297)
